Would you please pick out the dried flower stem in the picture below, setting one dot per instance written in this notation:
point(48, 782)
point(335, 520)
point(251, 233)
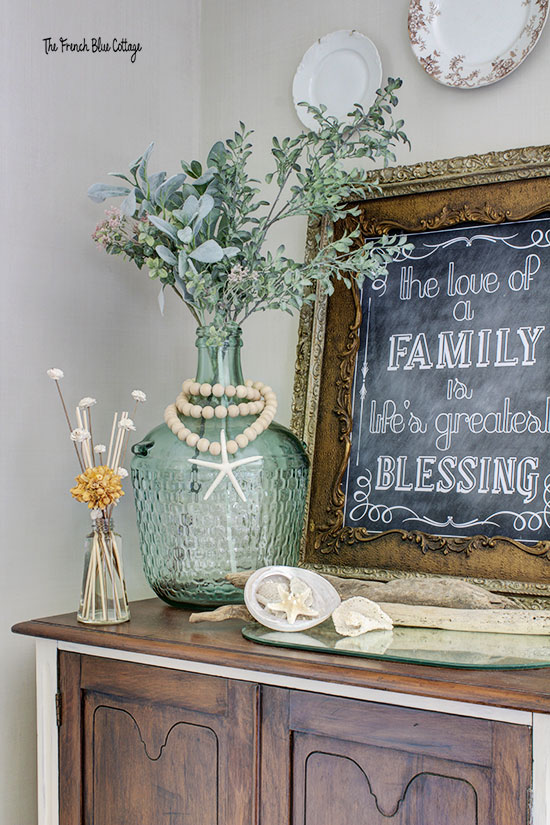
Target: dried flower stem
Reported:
point(69, 423)
point(89, 422)
point(82, 420)
point(108, 563)
point(102, 582)
point(127, 438)
point(113, 428)
point(119, 442)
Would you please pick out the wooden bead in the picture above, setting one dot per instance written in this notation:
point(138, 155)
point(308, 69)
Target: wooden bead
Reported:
point(233, 411)
point(230, 390)
point(258, 385)
point(220, 411)
point(242, 441)
point(202, 445)
point(215, 448)
point(183, 433)
point(195, 388)
point(242, 391)
point(266, 389)
point(196, 410)
point(185, 408)
point(232, 447)
point(208, 412)
point(243, 409)
point(250, 433)
point(206, 390)
point(186, 386)
point(217, 390)
point(258, 427)
point(192, 439)
point(248, 382)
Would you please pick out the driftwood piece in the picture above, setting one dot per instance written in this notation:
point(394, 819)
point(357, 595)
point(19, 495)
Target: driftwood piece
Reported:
point(440, 592)
point(532, 622)
point(220, 614)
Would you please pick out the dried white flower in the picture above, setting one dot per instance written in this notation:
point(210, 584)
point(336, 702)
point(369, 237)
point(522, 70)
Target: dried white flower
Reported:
point(126, 424)
point(80, 435)
point(139, 396)
point(122, 472)
point(87, 402)
point(95, 514)
point(55, 373)
point(100, 448)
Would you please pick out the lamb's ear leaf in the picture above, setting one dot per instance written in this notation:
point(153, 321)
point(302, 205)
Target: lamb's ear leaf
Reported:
point(166, 254)
point(164, 226)
point(209, 252)
point(142, 171)
point(99, 192)
point(128, 205)
point(167, 189)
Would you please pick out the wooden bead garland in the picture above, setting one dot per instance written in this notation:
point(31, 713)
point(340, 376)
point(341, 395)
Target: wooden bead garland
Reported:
point(254, 398)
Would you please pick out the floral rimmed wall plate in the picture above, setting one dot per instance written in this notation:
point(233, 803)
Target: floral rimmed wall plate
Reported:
point(339, 70)
point(471, 43)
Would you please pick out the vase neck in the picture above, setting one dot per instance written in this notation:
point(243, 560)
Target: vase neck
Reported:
point(219, 363)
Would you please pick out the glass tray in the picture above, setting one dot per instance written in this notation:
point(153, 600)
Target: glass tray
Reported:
point(448, 648)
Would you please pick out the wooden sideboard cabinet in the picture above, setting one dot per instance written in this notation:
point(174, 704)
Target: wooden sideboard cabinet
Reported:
point(159, 722)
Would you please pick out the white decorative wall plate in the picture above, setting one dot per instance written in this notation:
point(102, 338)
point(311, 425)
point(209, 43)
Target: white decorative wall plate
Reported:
point(339, 70)
point(471, 43)
point(272, 586)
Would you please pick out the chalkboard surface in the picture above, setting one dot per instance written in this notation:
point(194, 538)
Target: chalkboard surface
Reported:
point(451, 394)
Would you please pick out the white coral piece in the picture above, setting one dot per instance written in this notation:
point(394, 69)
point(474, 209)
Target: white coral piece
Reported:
point(359, 615)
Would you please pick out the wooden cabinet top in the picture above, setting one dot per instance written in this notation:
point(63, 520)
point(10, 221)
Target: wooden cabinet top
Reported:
point(158, 630)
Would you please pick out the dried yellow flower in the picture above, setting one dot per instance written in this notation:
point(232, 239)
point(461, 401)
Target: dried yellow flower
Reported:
point(98, 487)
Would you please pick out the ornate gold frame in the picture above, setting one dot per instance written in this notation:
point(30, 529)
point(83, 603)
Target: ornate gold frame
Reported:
point(489, 188)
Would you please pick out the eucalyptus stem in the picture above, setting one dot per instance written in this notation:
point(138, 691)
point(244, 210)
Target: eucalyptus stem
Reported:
point(202, 231)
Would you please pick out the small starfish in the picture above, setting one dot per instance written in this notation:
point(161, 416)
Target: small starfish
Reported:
point(225, 468)
point(295, 601)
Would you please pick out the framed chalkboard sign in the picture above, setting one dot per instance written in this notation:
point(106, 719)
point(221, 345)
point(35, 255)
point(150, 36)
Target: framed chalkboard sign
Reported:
point(424, 398)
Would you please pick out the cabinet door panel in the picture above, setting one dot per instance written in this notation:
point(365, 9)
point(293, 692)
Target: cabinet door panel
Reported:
point(142, 745)
point(338, 782)
point(340, 761)
point(180, 775)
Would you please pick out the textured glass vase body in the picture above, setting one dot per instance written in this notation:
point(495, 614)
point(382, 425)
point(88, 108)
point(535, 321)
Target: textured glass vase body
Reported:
point(103, 598)
point(188, 544)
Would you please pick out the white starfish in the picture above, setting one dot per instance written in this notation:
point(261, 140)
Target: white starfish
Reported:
point(225, 468)
point(296, 600)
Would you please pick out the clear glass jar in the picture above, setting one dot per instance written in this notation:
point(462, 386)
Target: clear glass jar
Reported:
point(103, 599)
point(188, 544)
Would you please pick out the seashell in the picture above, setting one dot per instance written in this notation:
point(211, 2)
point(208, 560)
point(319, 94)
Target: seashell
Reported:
point(267, 591)
point(289, 598)
point(359, 615)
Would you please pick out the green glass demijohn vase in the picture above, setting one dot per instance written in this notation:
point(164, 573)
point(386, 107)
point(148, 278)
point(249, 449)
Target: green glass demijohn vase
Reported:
point(190, 544)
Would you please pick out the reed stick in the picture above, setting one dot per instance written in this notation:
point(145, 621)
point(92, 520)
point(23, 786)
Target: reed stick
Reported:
point(115, 417)
point(108, 561)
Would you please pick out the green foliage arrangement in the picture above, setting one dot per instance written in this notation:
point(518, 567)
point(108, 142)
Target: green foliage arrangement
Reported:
point(203, 232)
